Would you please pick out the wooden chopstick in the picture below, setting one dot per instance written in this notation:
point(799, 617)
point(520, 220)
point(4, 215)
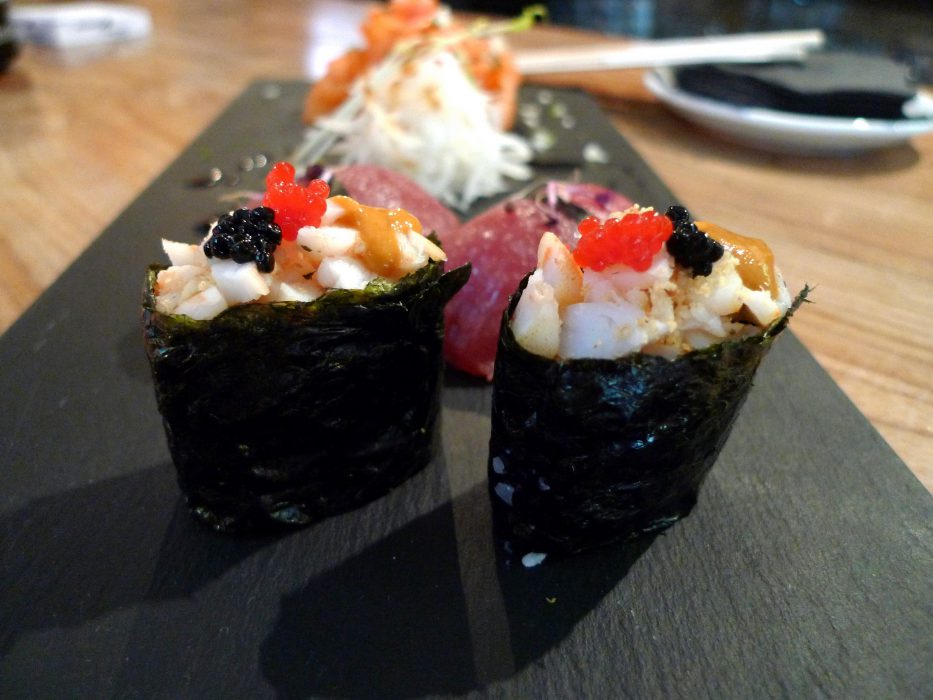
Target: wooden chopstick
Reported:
point(732, 48)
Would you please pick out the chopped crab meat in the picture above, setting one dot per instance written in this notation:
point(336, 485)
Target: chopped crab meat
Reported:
point(329, 241)
point(699, 339)
point(305, 290)
point(696, 316)
point(536, 321)
point(559, 270)
point(184, 254)
point(293, 263)
point(602, 330)
point(174, 285)
point(203, 305)
point(239, 283)
point(598, 286)
point(343, 273)
point(425, 246)
point(719, 293)
point(624, 278)
point(330, 256)
point(415, 250)
point(761, 306)
point(613, 312)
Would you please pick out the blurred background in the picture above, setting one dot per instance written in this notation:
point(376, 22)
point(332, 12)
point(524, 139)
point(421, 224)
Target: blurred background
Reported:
point(902, 29)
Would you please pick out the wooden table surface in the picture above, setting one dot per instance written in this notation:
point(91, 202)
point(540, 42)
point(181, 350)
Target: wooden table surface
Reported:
point(83, 132)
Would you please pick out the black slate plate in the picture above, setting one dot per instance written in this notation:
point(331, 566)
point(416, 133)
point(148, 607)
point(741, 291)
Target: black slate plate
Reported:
point(803, 571)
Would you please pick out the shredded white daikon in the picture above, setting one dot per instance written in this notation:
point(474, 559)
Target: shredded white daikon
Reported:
point(420, 113)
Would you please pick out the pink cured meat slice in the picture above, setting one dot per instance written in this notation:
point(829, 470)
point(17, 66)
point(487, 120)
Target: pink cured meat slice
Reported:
point(381, 187)
point(502, 245)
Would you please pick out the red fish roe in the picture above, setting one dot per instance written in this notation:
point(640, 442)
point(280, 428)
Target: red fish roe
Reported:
point(295, 206)
point(633, 240)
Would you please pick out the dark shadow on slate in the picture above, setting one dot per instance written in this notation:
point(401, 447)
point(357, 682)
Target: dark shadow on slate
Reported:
point(544, 603)
point(190, 555)
point(393, 621)
point(388, 623)
point(537, 608)
point(99, 548)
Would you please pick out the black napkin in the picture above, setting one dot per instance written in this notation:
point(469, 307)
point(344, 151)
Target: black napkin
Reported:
point(829, 83)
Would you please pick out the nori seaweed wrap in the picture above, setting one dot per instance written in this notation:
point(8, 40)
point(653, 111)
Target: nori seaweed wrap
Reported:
point(284, 413)
point(586, 452)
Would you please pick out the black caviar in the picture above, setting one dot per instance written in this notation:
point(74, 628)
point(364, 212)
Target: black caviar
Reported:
point(689, 246)
point(246, 235)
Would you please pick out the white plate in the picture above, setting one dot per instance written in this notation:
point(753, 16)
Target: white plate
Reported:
point(787, 132)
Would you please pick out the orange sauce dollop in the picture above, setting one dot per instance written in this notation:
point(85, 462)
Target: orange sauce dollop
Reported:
point(378, 228)
point(756, 261)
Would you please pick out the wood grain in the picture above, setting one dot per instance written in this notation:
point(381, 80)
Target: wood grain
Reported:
point(82, 133)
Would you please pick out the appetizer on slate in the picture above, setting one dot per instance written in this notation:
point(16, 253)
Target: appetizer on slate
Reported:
point(296, 355)
point(620, 369)
point(486, 59)
point(427, 97)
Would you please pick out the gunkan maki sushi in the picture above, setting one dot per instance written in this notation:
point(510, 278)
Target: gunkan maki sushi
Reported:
point(620, 369)
point(296, 355)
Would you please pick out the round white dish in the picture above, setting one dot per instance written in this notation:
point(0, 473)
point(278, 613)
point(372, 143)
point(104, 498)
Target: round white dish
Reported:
point(787, 132)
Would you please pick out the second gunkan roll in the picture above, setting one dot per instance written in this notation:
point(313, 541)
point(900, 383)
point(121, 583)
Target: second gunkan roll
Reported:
point(620, 370)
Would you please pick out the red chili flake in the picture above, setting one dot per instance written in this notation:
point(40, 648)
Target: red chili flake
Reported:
point(633, 240)
point(295, 206)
